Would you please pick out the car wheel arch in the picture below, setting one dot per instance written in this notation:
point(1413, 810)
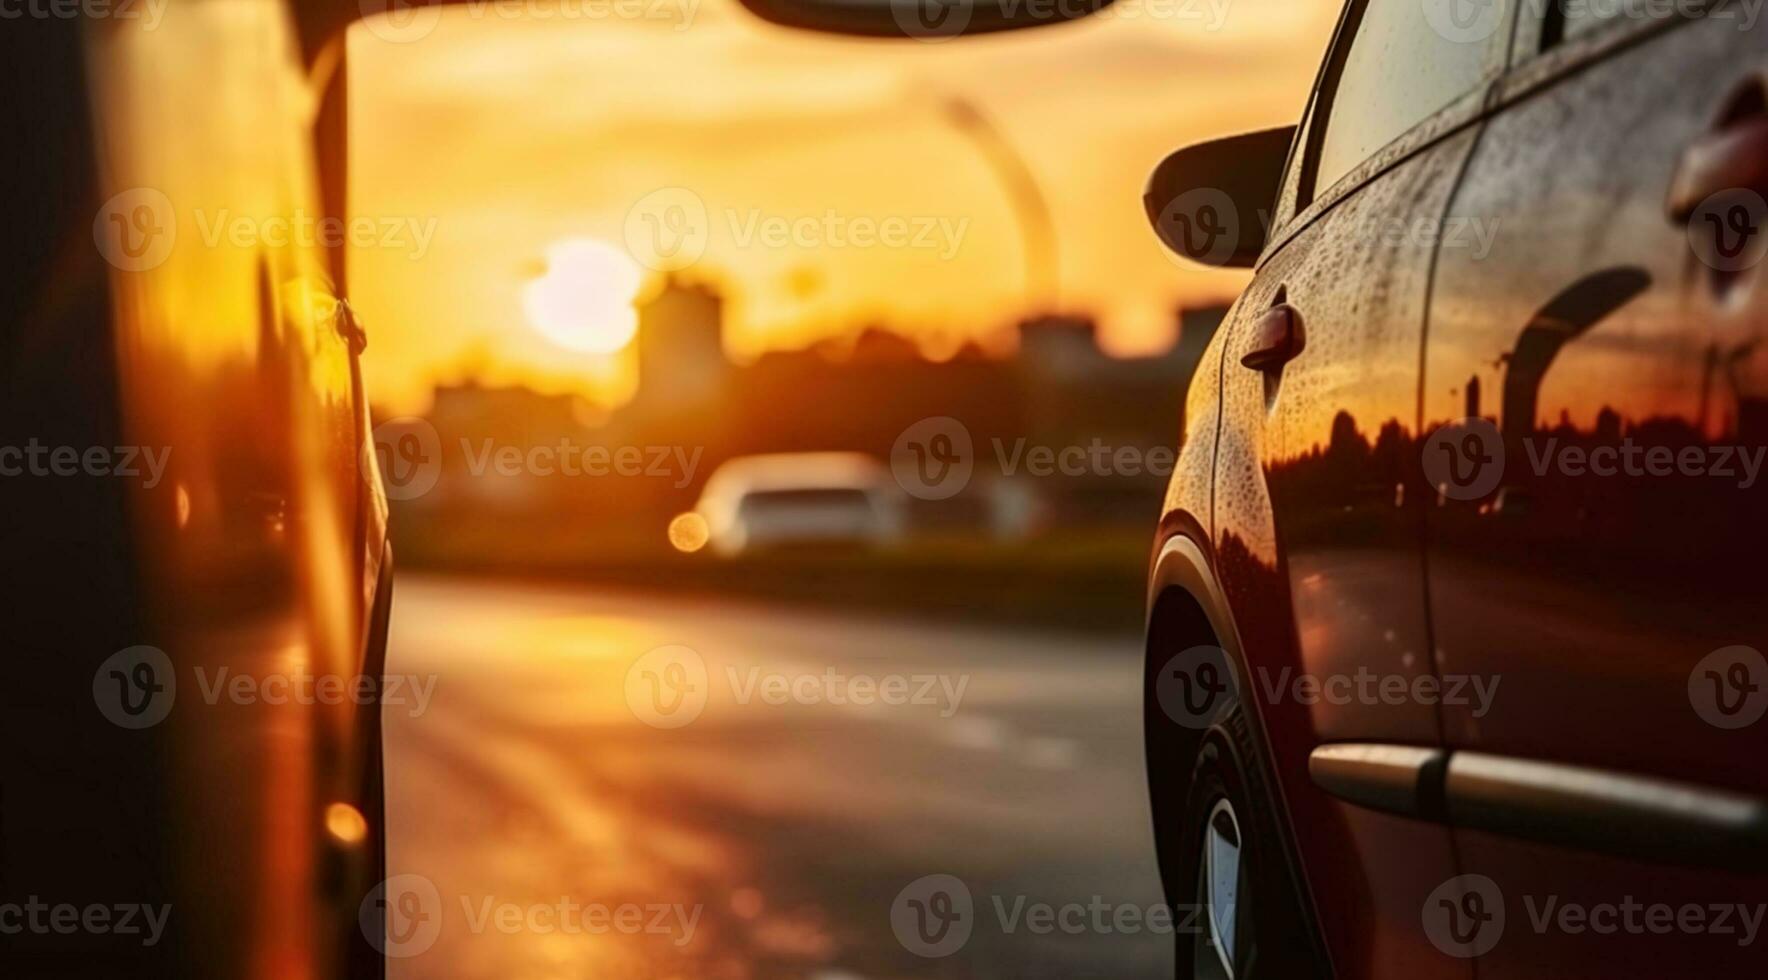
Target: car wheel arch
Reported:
point(1187, 608)
point(1184, 611)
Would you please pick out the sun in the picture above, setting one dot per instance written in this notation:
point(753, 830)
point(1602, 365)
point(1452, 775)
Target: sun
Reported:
point(585, 299)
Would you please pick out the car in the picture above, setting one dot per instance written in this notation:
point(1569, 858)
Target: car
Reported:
point(195, 525)
point(191, 501)
point(756, 503)
point(1454, 649)
point(1454, 660)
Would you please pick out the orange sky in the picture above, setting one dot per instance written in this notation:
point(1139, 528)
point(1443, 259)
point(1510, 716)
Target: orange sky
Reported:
point(491, 138)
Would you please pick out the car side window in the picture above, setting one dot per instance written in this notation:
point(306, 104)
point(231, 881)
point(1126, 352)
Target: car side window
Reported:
point(1566, 19)
point(1406, 60)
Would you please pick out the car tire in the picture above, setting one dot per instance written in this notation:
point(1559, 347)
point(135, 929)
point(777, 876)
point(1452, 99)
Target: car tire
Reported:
point(1240, 914)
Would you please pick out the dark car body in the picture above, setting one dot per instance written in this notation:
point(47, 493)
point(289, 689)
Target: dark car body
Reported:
point(214, 548)
point(1503, 469)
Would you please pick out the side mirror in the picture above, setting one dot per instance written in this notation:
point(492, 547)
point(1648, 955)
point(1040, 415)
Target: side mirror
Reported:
point(1212, 202)
point(926, 20)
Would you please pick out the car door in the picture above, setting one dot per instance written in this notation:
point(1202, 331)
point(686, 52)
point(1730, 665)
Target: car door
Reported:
point(1319, 509)
point(1595, 380)
point(234, 357)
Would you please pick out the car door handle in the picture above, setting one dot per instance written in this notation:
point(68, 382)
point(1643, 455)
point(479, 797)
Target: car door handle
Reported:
point(1735, 157)
point(1277, 338)
point(1588, 809)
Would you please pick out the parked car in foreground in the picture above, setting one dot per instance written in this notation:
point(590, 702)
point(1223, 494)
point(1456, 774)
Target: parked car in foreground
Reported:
point(1455, 647)
point(195, 532)
point(1455, 641)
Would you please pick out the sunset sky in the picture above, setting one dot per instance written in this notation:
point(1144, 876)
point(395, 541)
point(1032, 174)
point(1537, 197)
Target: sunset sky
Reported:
point(518, 164)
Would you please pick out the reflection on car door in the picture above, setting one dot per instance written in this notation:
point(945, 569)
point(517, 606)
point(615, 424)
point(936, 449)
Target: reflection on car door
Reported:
point(226, 328)
point(1319, 506)
point(1596, 380)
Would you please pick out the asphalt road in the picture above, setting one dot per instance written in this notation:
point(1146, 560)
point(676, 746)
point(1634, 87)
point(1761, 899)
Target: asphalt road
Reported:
point(765, 797)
